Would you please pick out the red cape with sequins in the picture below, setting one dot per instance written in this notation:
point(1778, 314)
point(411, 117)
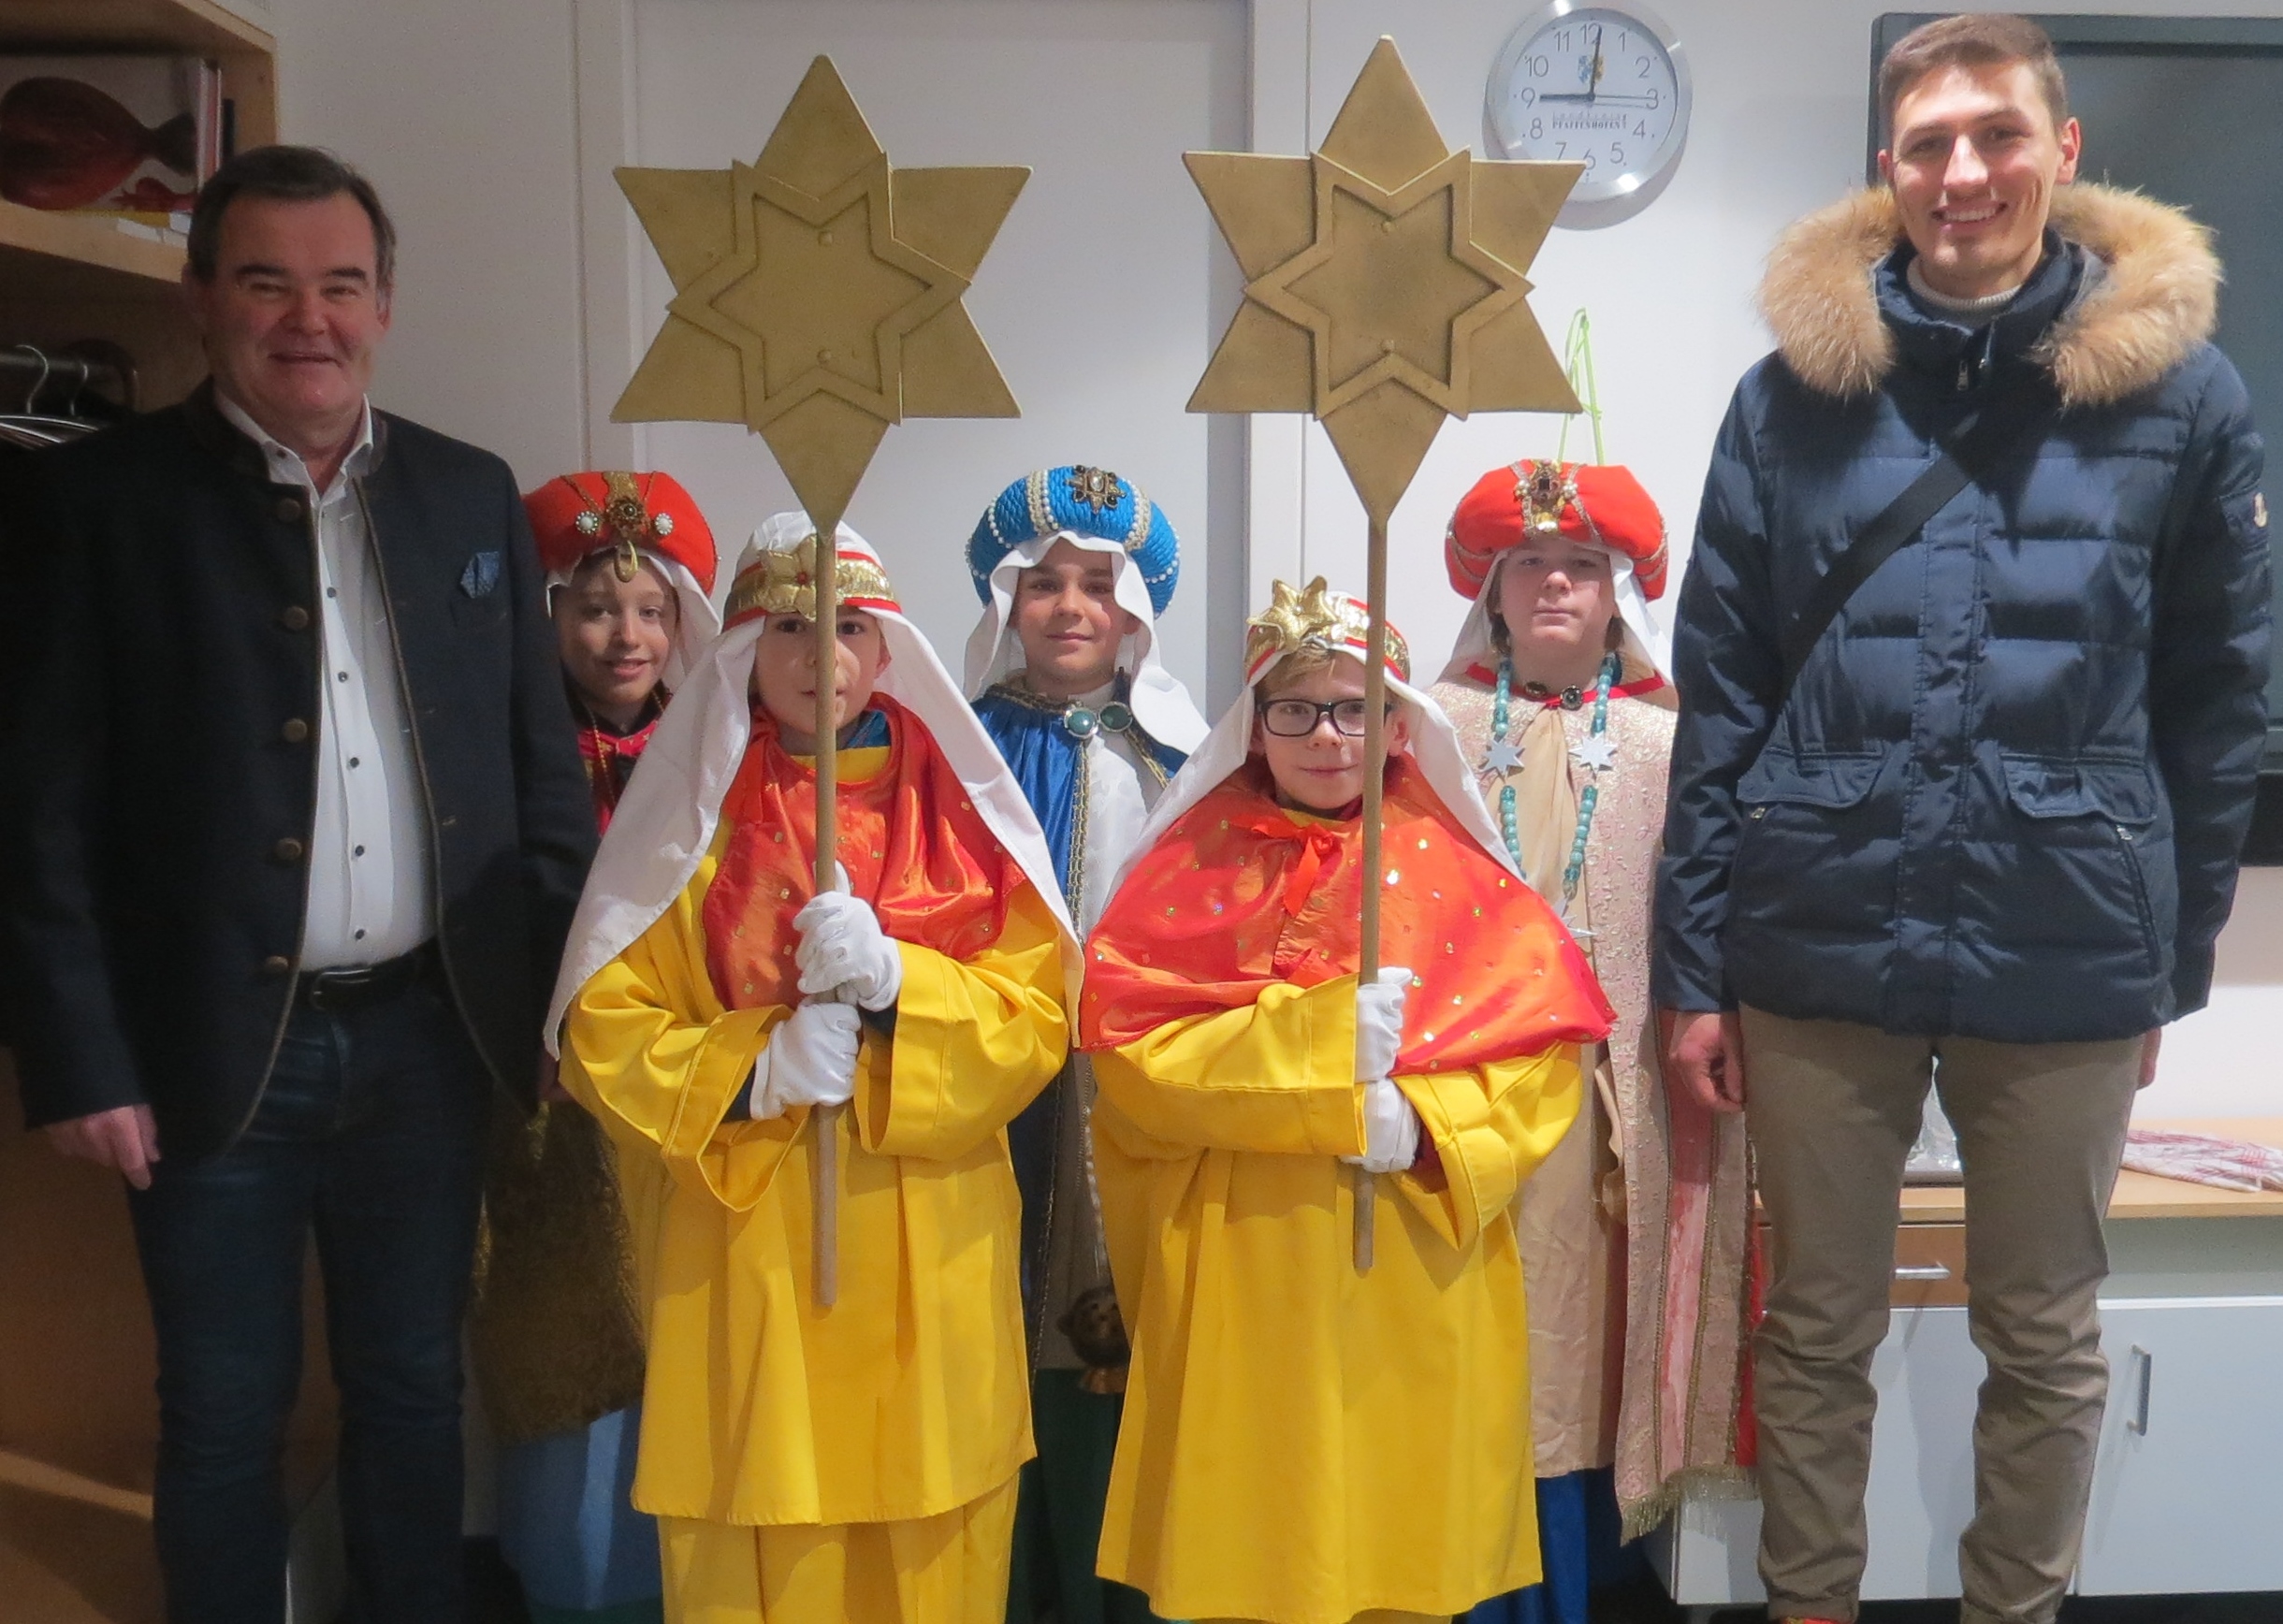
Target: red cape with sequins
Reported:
point(1240, 894)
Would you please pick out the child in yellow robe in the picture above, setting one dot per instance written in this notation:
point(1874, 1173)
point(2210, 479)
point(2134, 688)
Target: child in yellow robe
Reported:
point(1304, 1443)
point(857, 1461)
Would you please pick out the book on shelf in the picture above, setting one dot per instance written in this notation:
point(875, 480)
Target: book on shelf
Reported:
point(133, 137)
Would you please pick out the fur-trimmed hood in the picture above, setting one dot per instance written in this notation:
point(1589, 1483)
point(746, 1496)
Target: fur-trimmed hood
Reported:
point(2157, 300)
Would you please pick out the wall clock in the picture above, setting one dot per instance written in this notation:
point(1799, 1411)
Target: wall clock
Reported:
point(1604, 85)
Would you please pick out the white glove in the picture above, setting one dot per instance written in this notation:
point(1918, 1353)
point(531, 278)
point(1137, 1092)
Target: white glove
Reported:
point(1391, 1129)
point(1379, 1021)
point(842, 945)
point(810, 1060)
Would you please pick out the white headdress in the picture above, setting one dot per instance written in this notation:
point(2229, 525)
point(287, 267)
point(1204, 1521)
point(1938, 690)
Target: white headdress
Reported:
point(1158, 699)
point(1323, 618)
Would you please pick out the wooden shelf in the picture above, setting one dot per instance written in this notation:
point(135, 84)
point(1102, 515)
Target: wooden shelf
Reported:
point(66, 278)
point(92, 240)
point(193, 28)
point(2141, 1195)
point(175, 27)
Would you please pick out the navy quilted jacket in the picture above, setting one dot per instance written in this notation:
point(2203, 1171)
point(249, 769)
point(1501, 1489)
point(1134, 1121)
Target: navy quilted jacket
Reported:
point(2006, 795)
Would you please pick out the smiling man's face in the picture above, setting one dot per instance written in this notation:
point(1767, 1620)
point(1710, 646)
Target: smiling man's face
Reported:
point(1975, 162)
point(294, 316)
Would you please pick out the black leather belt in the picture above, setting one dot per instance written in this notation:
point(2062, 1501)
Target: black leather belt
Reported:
point(338, 990)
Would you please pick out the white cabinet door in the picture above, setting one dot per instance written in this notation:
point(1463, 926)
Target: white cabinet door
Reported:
point(1922, 1454)
point(2191, 1471)
point(1920, 1491)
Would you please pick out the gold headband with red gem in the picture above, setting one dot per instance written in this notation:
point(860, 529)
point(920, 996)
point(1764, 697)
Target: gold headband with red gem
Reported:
point(1316, 616)
point(784, 581)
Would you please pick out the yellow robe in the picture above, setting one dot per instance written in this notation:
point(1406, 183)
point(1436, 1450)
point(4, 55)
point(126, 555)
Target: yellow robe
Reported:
point(940, 1570)
point(907, 1401)
point(1302, 1444)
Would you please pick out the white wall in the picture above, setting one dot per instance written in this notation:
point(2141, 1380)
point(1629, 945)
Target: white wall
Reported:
point(1097, 298)
point(467, 117)
point(463, 116)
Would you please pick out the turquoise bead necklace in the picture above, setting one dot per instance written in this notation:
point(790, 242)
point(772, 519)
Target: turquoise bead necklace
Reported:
point(1574, 870)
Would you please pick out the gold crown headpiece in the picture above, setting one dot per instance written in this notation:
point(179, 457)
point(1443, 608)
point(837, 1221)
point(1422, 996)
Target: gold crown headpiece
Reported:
point(1318, 617)
point(783, 581)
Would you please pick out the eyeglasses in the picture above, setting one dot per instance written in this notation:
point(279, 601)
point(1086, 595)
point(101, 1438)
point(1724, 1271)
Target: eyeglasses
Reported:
point(1296, 718)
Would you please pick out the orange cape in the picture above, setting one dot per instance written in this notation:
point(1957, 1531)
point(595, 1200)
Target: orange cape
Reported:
point(1239, 893)
point(913, 843)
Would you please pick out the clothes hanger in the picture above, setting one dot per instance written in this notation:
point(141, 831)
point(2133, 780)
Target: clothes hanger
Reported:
point(36, 427)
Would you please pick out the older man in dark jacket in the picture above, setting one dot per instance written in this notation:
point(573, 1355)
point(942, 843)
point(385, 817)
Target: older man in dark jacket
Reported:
point(286, 881)
point(1987, 831)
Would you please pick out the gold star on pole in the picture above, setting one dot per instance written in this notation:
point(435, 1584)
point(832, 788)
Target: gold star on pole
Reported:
point(1384, 293)
point(816, 300)
point(1385, 282)
point(817, 294)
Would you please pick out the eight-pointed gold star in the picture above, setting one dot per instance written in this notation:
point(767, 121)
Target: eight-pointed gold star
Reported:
point(817, 293)
point(1384, 287)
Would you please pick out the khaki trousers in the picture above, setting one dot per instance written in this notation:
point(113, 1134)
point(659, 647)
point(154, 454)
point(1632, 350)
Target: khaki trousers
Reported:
point(1833, 1108)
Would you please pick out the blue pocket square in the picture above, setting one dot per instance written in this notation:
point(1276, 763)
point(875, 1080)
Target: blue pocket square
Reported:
point(480, 575)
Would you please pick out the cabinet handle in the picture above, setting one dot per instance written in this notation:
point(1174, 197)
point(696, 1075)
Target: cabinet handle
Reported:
point(2139, 1422)
point(1921, 1271)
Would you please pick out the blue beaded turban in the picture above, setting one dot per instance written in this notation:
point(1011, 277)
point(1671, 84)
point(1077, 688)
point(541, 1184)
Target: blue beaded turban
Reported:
point(1083, 501)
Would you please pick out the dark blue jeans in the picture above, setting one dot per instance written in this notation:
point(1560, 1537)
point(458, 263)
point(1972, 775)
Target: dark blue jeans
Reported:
point(370, 1135)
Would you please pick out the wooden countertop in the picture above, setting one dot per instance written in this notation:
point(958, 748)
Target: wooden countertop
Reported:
point(2141, 1195)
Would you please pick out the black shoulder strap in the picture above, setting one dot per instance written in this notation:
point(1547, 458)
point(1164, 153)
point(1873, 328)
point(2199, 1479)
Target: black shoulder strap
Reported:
point(1973, 450)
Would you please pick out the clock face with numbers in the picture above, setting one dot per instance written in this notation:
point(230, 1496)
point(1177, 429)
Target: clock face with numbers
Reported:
point(1602, 85)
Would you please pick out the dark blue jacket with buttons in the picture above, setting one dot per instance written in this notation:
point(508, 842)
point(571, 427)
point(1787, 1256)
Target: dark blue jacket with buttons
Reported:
point(2005, 796)
point(154, 837)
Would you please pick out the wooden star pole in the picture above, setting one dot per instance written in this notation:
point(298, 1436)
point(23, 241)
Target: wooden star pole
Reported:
point(1384, 292)
point(817, 301)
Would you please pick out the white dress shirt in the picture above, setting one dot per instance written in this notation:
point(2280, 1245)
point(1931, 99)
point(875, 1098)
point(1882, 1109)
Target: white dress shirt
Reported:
point(370, 895)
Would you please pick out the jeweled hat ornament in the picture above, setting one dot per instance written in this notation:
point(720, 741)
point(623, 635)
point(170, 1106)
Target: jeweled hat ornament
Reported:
point(1077, 501)
point(578, 514)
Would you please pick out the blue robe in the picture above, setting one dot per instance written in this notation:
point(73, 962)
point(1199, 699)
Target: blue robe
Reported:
point(1046, 759)
point(1049, 762)
point(1059, 1513)
point(1580, 1544)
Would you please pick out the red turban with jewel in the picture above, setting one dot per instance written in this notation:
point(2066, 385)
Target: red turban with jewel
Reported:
point(580, 513)
point(1600, 504)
